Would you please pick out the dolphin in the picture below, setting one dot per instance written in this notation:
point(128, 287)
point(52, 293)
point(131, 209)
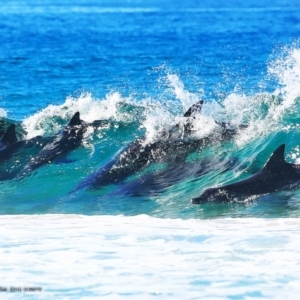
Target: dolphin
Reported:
point(9, 143)
point(172, 145)
point(11, 147)
point(19, 130)
point(276, 175)
point(69, 139)
point(156, 182)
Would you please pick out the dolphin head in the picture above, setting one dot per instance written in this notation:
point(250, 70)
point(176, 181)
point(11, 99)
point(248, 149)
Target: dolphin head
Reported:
point(209, 195)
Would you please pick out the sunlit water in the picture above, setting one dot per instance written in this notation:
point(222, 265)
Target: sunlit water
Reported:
point(139, 66)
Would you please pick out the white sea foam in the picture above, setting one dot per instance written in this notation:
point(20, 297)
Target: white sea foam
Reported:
point(91, 109)
point(116, 257)
point(3, 113)
point(154, 115)
point(186, 98)
point(287, 71)
point(262, 112)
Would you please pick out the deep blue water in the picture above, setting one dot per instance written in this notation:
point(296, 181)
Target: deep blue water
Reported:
point(140, 65)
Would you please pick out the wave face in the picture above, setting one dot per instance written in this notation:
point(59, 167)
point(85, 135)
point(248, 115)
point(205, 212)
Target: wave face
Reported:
point(139, 67)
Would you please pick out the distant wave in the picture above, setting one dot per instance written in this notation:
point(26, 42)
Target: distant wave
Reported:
point(35, 9)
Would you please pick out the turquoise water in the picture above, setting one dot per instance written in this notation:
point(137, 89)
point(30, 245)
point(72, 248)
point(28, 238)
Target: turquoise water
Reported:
point(139, 66)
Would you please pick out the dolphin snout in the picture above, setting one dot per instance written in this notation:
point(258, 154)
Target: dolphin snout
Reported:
point(206, 196)
point(196, 200)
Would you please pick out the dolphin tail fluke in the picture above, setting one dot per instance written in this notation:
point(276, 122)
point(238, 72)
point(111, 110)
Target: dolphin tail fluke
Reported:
point(9, 136)
point(75, 120)
point(194, 109)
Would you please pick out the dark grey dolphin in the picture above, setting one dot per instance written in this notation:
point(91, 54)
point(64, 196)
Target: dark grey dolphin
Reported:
point(19, 130)
point(172, 145)
point(154, 183)
point(9, 143)
point(69, 139)
point(276, 175)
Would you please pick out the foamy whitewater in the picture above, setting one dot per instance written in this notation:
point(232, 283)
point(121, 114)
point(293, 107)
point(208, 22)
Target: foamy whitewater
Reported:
point(138, 66)
point(117, 257)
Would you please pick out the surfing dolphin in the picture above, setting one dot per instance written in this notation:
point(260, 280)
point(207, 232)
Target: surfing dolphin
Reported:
point(11, 147)
point(9, 143)
point(69, 139)
point(276, 175)
point(172, 145)
point(19, 130)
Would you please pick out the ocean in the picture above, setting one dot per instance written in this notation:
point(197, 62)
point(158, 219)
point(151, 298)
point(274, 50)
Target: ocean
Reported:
point(136, 67)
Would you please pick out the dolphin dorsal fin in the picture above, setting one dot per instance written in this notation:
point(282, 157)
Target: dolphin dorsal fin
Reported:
point(276, 159)
point(75, 120)
point(9, 136)
point(195, 108)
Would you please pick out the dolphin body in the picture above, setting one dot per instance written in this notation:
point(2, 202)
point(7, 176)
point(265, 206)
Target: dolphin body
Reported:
point(9, 143)
point(69, 139)
point(154, 183)
point(139, 154)
point(276, 175)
